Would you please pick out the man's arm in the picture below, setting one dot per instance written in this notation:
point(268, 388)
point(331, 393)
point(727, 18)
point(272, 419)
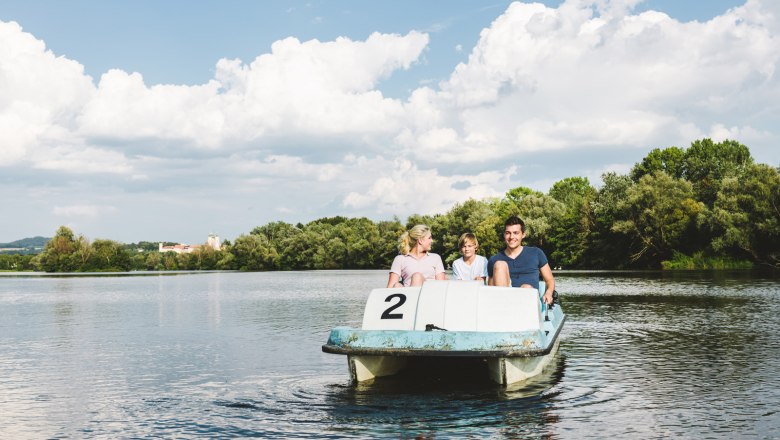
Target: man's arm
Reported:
point(549, 282)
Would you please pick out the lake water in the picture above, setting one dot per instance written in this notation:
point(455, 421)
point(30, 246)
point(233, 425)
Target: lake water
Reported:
point(642, 355)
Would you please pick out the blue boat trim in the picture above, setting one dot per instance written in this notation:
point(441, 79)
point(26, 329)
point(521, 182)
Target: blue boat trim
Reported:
point(350, 341)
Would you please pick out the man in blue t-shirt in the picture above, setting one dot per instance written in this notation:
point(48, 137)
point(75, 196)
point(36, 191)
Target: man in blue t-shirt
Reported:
point(518, 265)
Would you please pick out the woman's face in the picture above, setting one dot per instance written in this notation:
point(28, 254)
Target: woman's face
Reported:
point(426, 242)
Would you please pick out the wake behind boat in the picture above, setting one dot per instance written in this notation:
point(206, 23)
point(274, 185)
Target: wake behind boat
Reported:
point(508, 328)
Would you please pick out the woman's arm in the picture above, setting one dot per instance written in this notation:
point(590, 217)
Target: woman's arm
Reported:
point(392, 280)
point(438, 268)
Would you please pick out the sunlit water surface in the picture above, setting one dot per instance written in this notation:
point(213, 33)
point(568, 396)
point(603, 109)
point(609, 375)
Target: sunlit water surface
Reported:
point(643, 355)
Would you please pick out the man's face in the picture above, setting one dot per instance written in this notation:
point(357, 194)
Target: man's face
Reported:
point(513, 236)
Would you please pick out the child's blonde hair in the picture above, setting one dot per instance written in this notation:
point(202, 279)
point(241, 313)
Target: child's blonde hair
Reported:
point(409, 238)
point(468, 236)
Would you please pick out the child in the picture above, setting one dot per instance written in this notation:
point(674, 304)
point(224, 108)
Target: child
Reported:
point(470, 266)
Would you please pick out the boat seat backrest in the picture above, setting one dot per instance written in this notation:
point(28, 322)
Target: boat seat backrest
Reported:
point(508, 309)
point(391, 309)
point(455, 306)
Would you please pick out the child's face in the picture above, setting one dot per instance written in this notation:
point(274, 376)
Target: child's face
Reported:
point(468, 249)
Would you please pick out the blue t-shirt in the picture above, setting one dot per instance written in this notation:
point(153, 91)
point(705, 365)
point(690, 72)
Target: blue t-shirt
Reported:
point(524, 269)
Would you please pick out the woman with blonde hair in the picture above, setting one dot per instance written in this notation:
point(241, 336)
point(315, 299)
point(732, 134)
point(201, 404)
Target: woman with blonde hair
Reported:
point(415, 263)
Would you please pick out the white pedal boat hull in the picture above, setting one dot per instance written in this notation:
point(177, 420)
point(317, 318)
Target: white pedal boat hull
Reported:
point(509, 328)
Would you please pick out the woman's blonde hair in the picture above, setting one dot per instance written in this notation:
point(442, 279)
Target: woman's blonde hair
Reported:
point(409, 238)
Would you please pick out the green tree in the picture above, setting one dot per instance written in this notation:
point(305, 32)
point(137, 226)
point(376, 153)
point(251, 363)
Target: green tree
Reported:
point(227, 261)
point(276, 232)
point(660, 212)
point(516, 195)
point(169, 261)
point(607, 248)
point(363, 243)
point(254, 252)
point(389, 231)
point(206, 257)
point(146, 246)
point(108, 255)
point(745, 219)
point(137, 259)
point(707, 163)
point(83, 252)
point(16, 262)
point(669, 160)
point(57, 254)
point(570, 234)
point(153, 261)
point(186, 261)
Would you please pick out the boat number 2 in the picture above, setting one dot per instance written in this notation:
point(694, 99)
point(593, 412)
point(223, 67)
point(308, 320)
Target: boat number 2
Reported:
point(401, 300)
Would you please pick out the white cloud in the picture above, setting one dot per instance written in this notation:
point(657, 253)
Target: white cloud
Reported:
point(40, 93)
point(319, 88)
point(83, 211)
point(284, 167)
point(124, 108)
point(305, 89)
point(305, 128)
point(405, 189)
point(82, 160)
point(543, 78)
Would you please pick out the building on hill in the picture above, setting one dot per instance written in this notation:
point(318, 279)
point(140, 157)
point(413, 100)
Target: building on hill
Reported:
point(212, 242)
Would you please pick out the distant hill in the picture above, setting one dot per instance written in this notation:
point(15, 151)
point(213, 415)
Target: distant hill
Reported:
point(30, 245)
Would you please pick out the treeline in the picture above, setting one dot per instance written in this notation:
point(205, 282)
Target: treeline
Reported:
point(707, 206)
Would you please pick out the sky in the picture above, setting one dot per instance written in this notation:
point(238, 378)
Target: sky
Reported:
point(168, 121)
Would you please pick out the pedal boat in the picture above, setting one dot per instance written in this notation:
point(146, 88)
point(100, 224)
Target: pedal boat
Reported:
point(509, 328)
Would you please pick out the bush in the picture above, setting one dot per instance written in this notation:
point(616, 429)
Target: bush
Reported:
point(699, 261)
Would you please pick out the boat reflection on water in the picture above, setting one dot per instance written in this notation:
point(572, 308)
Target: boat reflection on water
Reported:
point(467, 380)
point(424, 402)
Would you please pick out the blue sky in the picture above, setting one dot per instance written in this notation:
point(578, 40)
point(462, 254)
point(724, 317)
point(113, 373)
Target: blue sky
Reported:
point(170, 120)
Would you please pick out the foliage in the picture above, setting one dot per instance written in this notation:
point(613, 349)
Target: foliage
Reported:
point(607, 248)
point(16, 262)
point(669, 160)
point(107, 256)
point(707, 206)
point(699, 261)
point(58, 253)
point(571, 230)
point(707, 164)
point(253, 252)
point(745, 219)
point(658, 212)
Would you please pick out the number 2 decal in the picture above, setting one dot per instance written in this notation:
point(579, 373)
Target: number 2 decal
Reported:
point(401, 300)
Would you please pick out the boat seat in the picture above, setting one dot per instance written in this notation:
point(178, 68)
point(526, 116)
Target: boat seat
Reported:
point(454, 306)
